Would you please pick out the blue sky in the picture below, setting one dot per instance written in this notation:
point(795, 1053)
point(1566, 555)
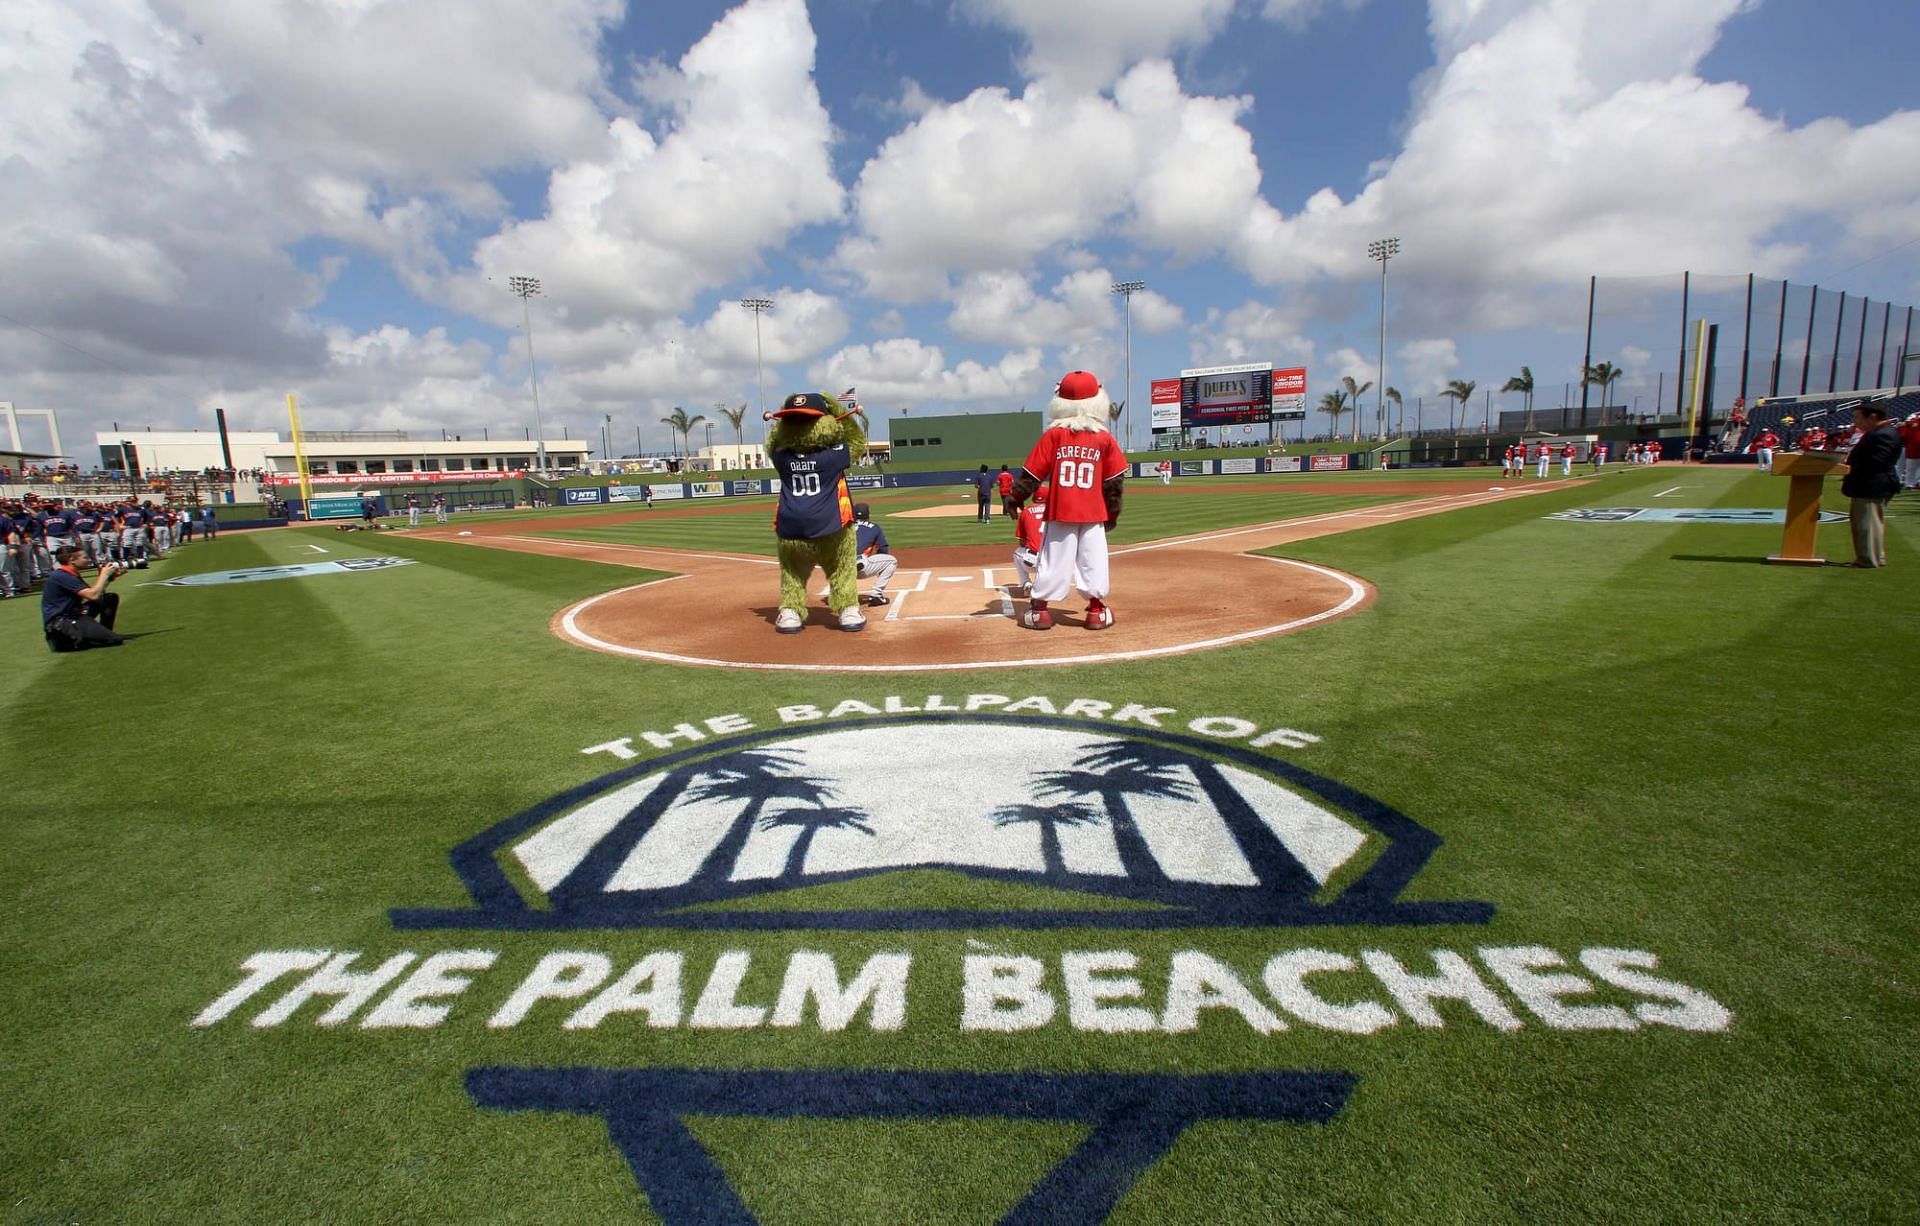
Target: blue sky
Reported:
point(214, 204)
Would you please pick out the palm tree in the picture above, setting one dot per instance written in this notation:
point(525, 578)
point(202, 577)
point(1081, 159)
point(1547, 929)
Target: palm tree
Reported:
point(1049, 818)
point(755, 777)
point(734, 417)
point(678, 420)
point(1460, 390)
point(812, 822)
point(1353, 391)
point(1606, 374)
point(1523, 382)
point(1333, 404)
point(1113, 771)
point(1393, 398)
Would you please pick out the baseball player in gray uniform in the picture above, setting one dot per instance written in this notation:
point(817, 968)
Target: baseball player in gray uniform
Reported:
point(875, 562)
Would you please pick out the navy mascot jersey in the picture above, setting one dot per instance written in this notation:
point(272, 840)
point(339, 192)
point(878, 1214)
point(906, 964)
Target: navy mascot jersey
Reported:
point(813, 493)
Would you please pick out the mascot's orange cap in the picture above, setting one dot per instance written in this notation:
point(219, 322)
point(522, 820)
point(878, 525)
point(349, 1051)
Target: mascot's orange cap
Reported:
point(804, 404)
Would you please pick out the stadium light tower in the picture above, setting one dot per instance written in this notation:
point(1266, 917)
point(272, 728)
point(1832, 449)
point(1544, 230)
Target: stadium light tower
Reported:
point(757, 305)
point(1383, 250)
point(527, 287)
point(1126, 290)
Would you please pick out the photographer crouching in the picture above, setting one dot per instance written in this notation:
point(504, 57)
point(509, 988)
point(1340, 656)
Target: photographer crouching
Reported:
point(77, 616)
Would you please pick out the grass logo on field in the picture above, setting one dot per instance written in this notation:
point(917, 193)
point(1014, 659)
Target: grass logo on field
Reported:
point(1008, 821)
point(298, 570)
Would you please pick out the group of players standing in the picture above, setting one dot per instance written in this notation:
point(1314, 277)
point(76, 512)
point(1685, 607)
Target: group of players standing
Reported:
point(128, 532)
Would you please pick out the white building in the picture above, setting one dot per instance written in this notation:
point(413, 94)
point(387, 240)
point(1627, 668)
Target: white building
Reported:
point(382, 454)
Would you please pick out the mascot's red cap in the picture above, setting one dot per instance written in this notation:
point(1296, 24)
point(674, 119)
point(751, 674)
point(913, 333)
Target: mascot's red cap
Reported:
point(1078, 385)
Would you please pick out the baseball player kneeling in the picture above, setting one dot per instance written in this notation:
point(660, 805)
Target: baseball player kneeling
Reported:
point(875, 562)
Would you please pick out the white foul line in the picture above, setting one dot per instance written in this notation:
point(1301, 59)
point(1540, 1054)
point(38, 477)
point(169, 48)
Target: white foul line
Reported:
point(316, 549)
point(1675, 490)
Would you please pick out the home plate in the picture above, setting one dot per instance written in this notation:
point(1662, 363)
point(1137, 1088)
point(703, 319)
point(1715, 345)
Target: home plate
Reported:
point(956, 578)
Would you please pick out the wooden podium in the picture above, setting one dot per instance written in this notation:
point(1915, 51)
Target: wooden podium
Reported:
point(1806, 472)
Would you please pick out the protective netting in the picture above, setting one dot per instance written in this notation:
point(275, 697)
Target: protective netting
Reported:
point(1775, 339)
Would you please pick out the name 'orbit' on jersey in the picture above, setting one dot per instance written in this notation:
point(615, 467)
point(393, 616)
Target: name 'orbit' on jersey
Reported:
point(816, 501)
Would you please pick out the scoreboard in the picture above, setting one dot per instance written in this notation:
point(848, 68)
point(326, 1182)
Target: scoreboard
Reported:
point(1226, 396)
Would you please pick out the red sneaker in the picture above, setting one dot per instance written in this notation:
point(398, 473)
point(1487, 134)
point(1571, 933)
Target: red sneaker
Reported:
point(1037, 616)
point(1099, 616)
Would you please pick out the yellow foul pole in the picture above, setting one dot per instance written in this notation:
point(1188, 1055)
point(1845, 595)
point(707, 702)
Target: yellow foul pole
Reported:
point(300, 458)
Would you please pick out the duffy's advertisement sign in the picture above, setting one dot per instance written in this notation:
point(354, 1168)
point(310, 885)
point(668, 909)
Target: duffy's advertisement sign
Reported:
point(1109, 820)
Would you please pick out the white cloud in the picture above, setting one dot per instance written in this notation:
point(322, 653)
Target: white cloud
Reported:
point(1423, 367)
point(646, 223)
point(995, 180)
point(1086, 45)
point(1298, 14)
point(1562, 139)
point(1253, 332)
point(904, 373)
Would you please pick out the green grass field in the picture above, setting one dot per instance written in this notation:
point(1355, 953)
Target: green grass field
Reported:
point(1627, 736)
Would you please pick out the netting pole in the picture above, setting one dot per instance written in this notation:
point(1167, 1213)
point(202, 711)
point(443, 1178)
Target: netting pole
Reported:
point(1587, 364)
point(1880, 364)
point(1833, 363)
point(1860, 344)
point(1746, 342)
point(1779, 342)
point(1680, 382)
point(1806, 357)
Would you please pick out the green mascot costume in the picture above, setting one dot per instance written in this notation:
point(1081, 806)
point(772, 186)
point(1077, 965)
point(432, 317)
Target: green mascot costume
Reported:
point(813, 441)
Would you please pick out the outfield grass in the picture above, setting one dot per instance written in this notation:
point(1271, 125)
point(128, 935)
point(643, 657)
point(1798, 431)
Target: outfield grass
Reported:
point(1629, 735)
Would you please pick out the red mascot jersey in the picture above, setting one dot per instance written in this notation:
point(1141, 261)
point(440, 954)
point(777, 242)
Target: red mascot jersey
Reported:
point(1076, 465)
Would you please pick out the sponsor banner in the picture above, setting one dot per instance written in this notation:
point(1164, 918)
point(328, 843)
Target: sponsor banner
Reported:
point(1290, 381)
point(358, 479)
point(1331, 463)
point(334, 507)
point(582, 497)
point(1226, 395)
point(1247, 465)
point(866, 481)
point(1165, 401)
point(667, 493)
point(746, 487)
point(1195, 468)
point(1684, 515)
point(626, 493)
point(709, 489)
point(300, 570)
point(1283, 463)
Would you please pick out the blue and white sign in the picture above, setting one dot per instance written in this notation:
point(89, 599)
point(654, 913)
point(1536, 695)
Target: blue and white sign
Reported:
point(578, 497)
point(1684, 515)
point(298, 570)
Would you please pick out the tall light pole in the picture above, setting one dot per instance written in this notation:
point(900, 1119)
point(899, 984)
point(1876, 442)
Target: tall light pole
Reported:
point(758, 305)
point(1383, 250)
point(527, 287)
point(1126, 290)
point(606, 442)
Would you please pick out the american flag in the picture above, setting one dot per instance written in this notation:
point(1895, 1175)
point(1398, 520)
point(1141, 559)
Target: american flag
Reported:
point(846, 398)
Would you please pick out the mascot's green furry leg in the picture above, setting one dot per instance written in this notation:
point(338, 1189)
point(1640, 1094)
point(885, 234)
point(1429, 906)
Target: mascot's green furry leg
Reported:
point(839, 556)
point(796, 565)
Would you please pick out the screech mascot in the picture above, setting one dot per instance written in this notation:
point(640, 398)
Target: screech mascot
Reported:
point(1087, 470)
point(813, 442)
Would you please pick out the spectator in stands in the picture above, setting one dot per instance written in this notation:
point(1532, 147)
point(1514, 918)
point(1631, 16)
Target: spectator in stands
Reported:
point(75, 616)
point(1910, 448)
point(1870, 481)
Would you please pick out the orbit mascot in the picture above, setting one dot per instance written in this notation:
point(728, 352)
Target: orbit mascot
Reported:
point(1086, 469)
point(812, 442)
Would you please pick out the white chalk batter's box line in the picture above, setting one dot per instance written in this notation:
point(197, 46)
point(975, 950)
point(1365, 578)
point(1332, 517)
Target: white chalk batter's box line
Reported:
point(907, 582)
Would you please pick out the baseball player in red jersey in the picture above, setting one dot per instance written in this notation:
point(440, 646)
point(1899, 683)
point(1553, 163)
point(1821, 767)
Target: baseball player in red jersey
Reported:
point(1028, 530)
point(1544, 456)
point(1087, 470)
point(1566, 459)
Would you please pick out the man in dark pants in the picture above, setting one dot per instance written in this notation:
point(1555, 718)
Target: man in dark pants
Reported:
point(983, 495)
point(76, 616)
point(1872, 478)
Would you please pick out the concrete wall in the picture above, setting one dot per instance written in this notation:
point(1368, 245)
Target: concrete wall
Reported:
point(992, 439)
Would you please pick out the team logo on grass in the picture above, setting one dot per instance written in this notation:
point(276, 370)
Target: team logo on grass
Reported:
point(298, 570)
point(1055, 824)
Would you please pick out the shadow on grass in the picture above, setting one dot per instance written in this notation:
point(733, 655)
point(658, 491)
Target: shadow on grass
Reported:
point(1717, 557)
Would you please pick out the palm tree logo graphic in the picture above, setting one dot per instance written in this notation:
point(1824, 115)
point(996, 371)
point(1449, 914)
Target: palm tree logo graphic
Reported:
point(1202, 833)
